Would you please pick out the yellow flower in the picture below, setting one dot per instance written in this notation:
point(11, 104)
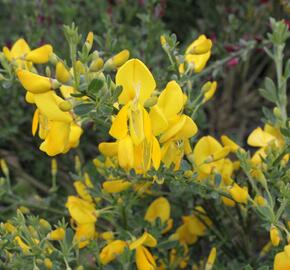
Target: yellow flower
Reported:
point(275, 236)
point(57, 234)
point(115, 186)
point(82, 212)
point(120, 58)
point(108, 236)
point(159, 208)
point(198, 53)
point(17, 53)
point(81, 189)
point(184, 236)
point(211, 259)
point(136, 80)
point(48, 263)
point(144, 259)
point(89, 40)
point(9, 227)
point(228, 202)
point(239, 194)
point(145, 240)
point(200, 46)
point(260, 138)
point(209, 89)
point(24, 247)
point(282, 259)
point(260, 200)
point(117, 60)
point(208, 155)
point(85, 233)
point(34, 83)
point(40, 55)
point(264, 138)
point(111, 251)
point(226, 141)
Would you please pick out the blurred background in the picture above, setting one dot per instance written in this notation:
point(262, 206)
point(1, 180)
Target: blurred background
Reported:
point(137, 25)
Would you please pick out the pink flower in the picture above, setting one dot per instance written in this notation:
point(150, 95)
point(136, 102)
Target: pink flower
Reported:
point(233, 62)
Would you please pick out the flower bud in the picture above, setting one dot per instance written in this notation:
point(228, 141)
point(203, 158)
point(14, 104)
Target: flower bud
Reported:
point(4, 167)
point(53, 166)
point(209, 89)
point(277, 112)
point(45, 224)
point(53, 59)
point(239, 194)
point(57, 234)
point(47, 263)
point(80, 67)
point(47, 71)
point(89, 40)
point(163, 40)
point(211, 259)
point(24, 210)
point(61, 73)
point(260, 200)
point(117, 60)
point(275, 236)
point(96, 65)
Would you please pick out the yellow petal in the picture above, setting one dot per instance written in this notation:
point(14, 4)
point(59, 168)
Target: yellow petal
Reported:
point(174, 129)
point(47, 105)
point(136, 124)
point(144, 259)
point(40, 55)
point(136, 80)
point(239, 194)
point(156, 153)
point(66, 91)
point(198, 60)
point(82, 191)
point(29, 97)
point(146, 239)
point(158, 120)
point(111, 251)
point(7, 53)
point(74, 136)
point(171, 99)
point(260, 138)
point(159, 208)
point(84, 233)
point(33, 82)
point(126, 153)
point(57, 139)
point(81, 211)
point(281, 261)
point(116, 186)
point(109, 149)
point(119, 127)
point(188, 130)
point(199, 46)
point(226, 141)
point(19, 48)
point(35, 121)
point(204, 148)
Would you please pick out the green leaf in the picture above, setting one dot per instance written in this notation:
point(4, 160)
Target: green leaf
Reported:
point(167, 244)
point(85, 108)
point(265, 94)
point(95, 85)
